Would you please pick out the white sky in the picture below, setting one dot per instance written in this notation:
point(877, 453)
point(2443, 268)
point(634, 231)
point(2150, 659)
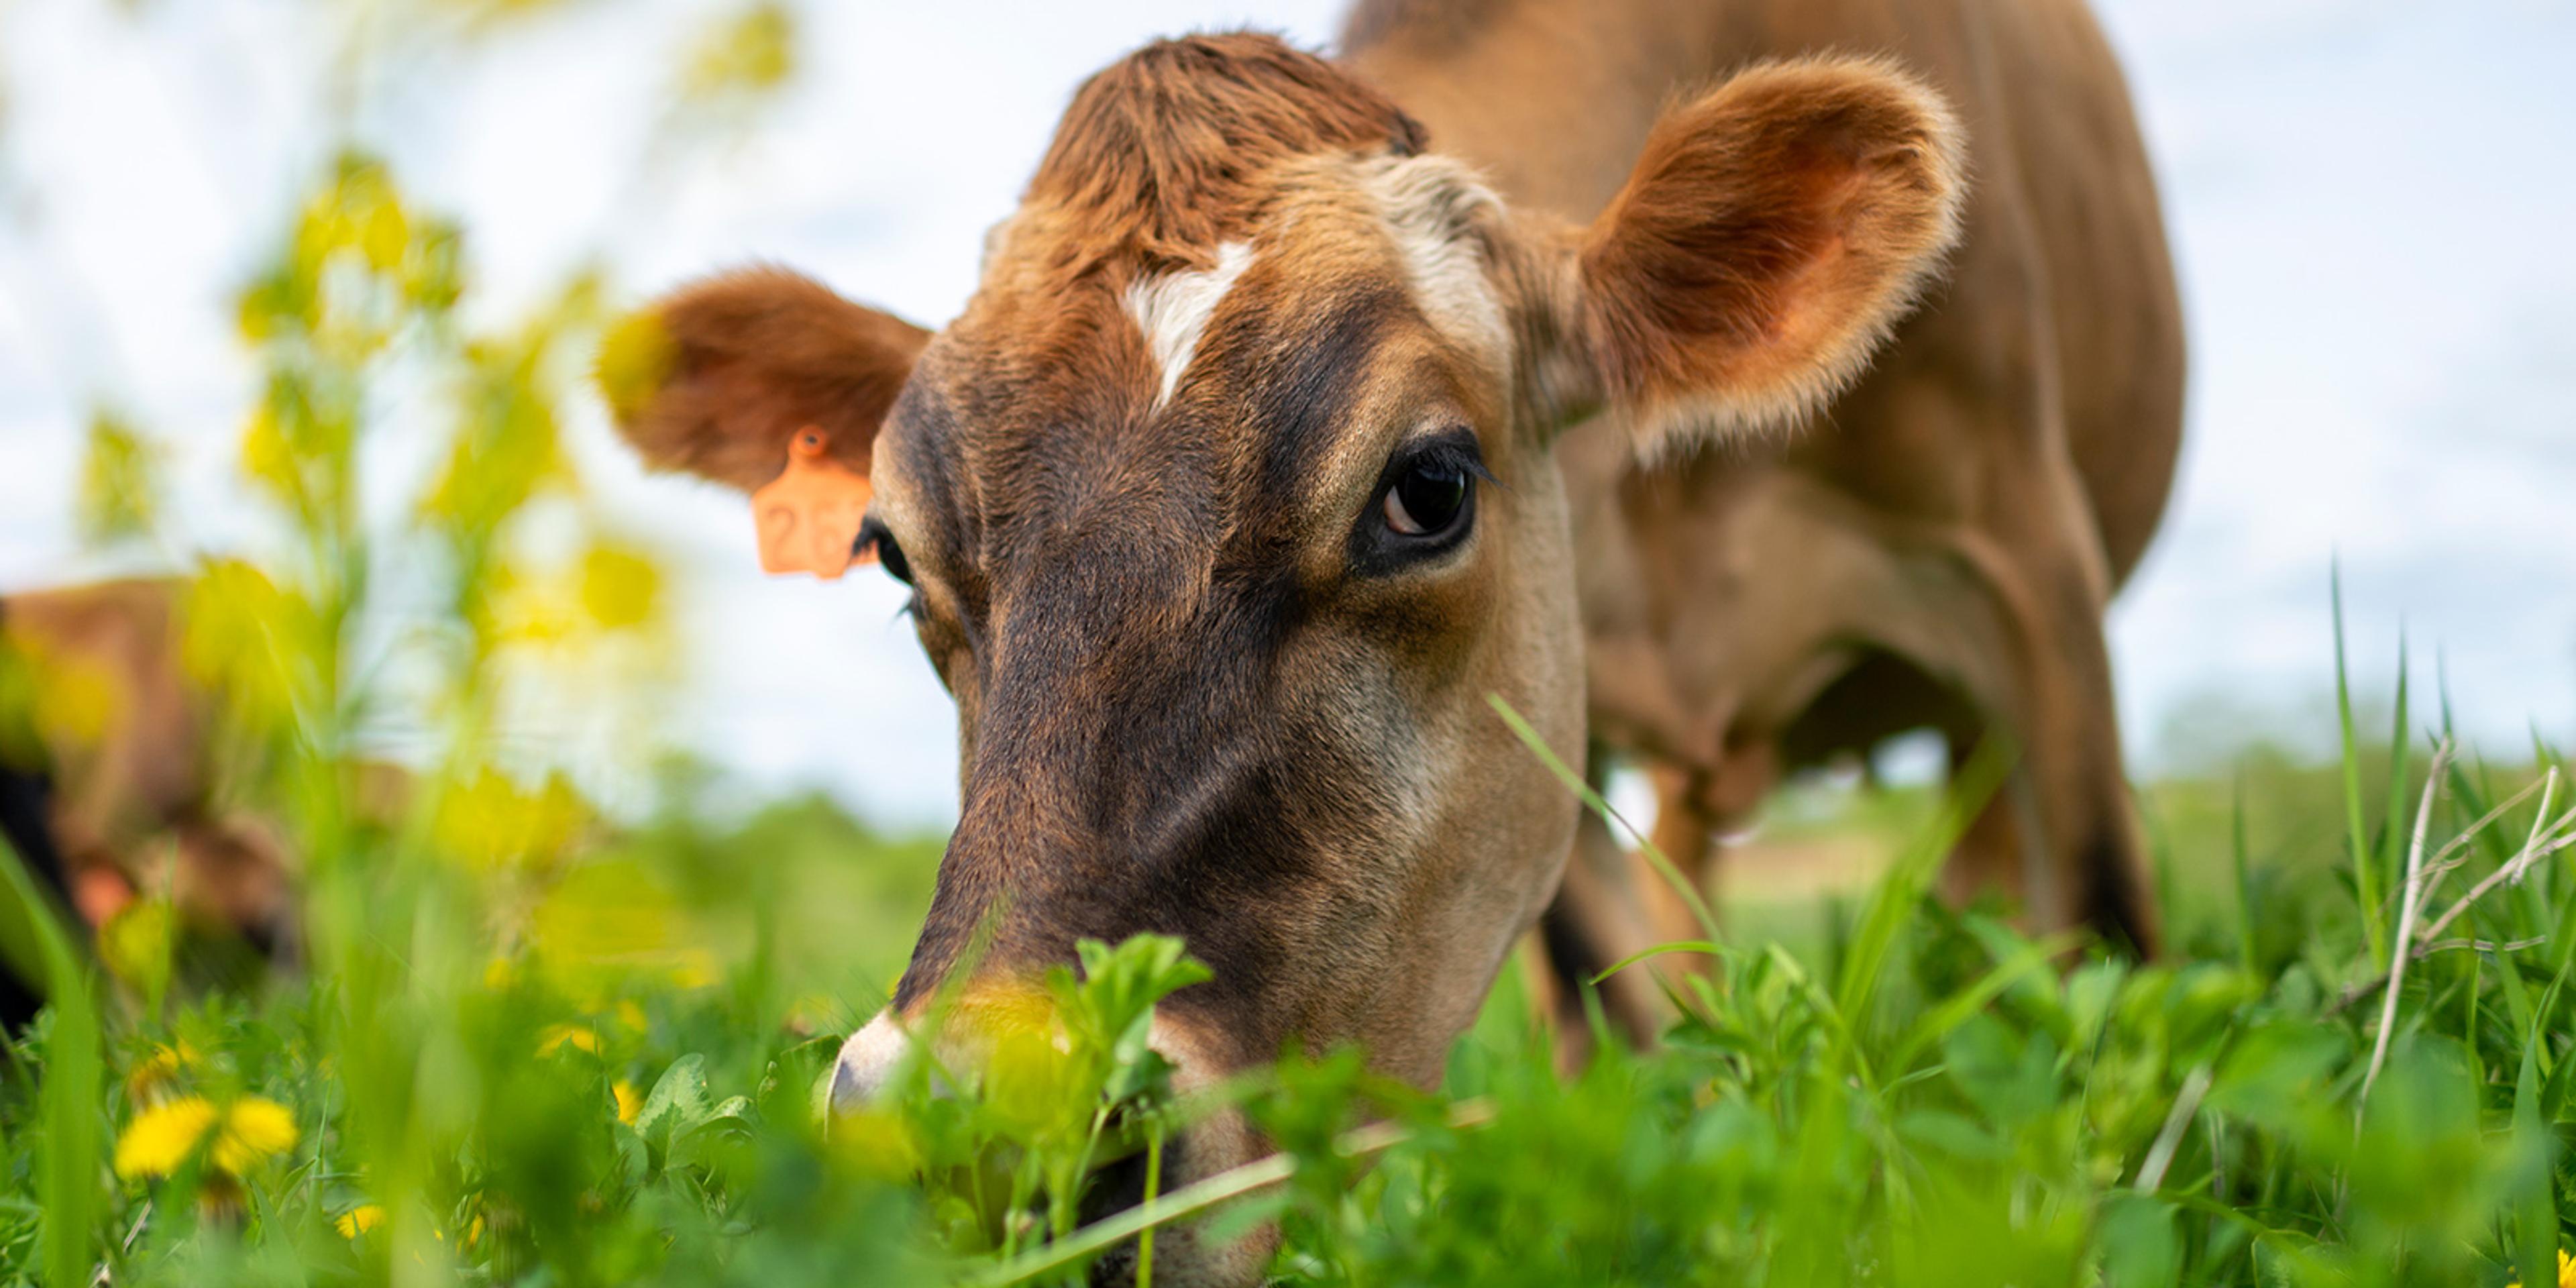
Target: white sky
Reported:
point(2371, 204)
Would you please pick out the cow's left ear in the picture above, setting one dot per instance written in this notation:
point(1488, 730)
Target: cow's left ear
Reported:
point(721, 377)
point(1771, 235)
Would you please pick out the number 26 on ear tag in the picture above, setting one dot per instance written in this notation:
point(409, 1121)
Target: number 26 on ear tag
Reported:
point(809, 515)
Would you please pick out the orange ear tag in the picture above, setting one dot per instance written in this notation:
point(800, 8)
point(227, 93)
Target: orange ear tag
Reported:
point(809, 516)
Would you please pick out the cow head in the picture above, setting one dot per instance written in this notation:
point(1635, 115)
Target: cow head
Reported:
point(1228, 500)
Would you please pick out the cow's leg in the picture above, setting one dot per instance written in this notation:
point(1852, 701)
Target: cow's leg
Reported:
point(2011, 621)
point(1685, 833)
point(2061, 834)
point(1596, 919)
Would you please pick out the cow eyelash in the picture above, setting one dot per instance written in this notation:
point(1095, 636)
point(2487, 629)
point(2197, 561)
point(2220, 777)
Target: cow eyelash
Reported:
point(890, 556)
point(873, 533)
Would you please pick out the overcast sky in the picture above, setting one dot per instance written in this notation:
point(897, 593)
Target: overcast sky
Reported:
point(2371, 204)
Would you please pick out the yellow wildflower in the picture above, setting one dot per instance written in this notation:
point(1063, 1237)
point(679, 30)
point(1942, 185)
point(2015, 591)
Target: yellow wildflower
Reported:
point(253, 1130)
point(165, 1136)
point(629, 1101)
point(2566, 1272)
point(559, 1036)
point(156, 1076)
point(360, 1219)
point(632, 1016)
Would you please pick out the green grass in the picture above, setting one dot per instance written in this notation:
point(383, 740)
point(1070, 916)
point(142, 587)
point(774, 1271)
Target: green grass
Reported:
point(1923, 1099)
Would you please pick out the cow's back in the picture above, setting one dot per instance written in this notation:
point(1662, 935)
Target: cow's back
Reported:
point(2064, 268)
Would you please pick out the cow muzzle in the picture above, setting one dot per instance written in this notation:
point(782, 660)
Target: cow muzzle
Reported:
point(888, 1053)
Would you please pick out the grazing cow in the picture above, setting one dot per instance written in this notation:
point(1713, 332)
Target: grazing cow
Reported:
point(1303, 405)
point(106, 784)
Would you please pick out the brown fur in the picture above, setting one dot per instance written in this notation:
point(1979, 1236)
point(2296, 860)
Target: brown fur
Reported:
point(1936, 550)
point(733, 366)
point(1140, 483)
point(1771, 235)
point(1169, 151)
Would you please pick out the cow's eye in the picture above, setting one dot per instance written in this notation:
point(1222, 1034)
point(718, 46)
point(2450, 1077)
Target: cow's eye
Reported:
point(1424, 505)
point(1427, 498)
point(889, 552)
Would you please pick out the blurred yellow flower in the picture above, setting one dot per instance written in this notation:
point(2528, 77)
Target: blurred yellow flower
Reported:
point(488, 820)
point(154, 1077)
point(162, 1138)
point(253, 1130)
point(120, 480)
point(629, 1101)
point(620, 588)
point(135, 945)
point(246, 638)
point(749, 53)
point(2566, 1272)
point(75, 698)
point(635, 357)
point(559, 1036)
point(360, 1219)
point(878, 1143)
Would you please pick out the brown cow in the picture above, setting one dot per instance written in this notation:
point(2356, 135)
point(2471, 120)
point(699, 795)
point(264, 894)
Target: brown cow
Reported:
point(1246, 475)
point(106, 781)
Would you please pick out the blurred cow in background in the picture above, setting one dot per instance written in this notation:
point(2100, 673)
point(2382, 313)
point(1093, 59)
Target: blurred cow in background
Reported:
point(108, 791)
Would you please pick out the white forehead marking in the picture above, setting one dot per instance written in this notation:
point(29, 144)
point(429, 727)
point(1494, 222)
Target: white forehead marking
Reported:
point(1429, 204)
point(1173, 309)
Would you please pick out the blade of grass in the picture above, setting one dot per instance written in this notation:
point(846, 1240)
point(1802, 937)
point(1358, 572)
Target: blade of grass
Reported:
point(70, 1091)
point(1700, 946)
point(2365, 876)
point(2410, 902)
point(2392, 831)
point(1682, 885)
point(1893, 900)
point(2535, 1246)
point(2245, 942)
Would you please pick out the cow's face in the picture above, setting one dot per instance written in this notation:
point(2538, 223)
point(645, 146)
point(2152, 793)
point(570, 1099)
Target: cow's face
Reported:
point(1228, 502)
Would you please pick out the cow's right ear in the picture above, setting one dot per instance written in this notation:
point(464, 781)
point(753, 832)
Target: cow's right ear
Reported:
point(719, 377)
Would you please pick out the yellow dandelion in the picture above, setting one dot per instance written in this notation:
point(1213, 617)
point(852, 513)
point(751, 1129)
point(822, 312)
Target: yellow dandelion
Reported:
point(632, 1016)
point(2566, 1272)
point(165, 1136)
point(155, 1077)
point(559, 1036)
point(254, 1129)
point(161, 1138)
point(360, 1219)
point(630, 1102)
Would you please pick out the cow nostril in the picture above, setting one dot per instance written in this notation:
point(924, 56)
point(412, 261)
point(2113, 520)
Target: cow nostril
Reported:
point(867, 1061)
